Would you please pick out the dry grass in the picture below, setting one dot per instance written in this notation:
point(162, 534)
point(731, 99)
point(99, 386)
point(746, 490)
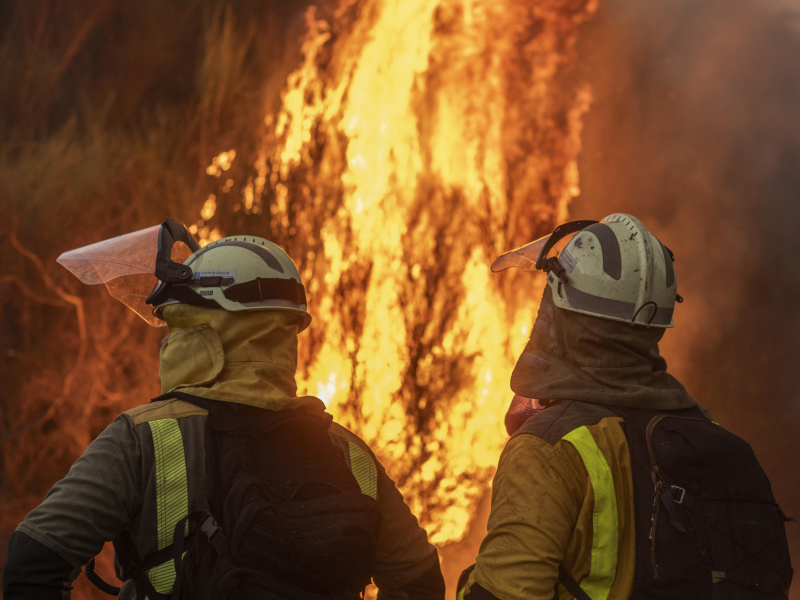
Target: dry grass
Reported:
point(110, 115)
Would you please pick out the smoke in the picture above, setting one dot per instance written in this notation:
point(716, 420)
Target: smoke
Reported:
point(694, 129)
point(109, 116)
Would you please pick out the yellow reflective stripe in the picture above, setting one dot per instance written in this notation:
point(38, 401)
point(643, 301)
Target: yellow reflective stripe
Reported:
point(364, 470)
point(172, 493)
point(163, 577)
point(605, 519)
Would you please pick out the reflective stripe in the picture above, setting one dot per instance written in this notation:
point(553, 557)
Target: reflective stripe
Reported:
point(364, 470)
point(605, 519)
point(172, 494)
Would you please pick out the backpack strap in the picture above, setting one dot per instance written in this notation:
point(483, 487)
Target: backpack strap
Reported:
point(136, 569)
point(560, 418)
point(179, 540)
point(648, 494)
point(572, 586)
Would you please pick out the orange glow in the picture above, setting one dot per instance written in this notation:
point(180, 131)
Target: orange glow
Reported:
point(417, 140)
point(220, 163)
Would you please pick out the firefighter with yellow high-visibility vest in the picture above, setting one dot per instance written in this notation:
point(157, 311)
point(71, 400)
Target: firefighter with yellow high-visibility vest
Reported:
point(616, 483)
point(228, 485)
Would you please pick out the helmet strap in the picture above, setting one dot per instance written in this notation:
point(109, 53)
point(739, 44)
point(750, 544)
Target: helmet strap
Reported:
point(185, 295)
point(559, 234)
point(260, 289)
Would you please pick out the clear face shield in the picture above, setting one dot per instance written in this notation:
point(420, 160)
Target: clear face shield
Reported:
point(135, 267)
point(533, 256)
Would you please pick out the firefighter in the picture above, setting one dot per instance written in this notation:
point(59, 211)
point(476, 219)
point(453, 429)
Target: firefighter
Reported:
point(234, 309)
point(616, 483)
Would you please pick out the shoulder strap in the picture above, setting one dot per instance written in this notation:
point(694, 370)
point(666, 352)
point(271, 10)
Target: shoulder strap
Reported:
point(572, 586)
point(136, 569)
point(561, 417)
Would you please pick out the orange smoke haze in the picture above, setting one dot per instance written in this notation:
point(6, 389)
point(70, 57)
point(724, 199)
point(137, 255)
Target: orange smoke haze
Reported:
point(691, 129)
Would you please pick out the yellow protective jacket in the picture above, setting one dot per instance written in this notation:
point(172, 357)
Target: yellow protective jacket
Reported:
point(145, 471)
point(563, 493)
point(562, 497)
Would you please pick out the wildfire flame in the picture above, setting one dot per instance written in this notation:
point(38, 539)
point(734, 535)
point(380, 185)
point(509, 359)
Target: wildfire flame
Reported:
point(416, 141)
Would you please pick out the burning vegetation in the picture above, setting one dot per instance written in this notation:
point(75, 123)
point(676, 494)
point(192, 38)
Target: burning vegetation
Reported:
point(393, 153)
point(414, 143)
point(392, 147)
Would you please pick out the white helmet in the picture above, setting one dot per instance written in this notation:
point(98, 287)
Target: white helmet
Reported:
point(235, 273)
point(614, 269)
point(239, 273)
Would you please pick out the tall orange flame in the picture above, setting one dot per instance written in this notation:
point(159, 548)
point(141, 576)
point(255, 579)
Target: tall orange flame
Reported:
point(416, 141)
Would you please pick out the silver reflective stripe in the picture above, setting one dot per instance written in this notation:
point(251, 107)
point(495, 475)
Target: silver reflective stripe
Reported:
point(596, 304)
point(614, 308)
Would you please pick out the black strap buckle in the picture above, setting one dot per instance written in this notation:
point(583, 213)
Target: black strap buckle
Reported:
point(553, 265)
point(209, 527)
point(167, 271)
point(560, 233)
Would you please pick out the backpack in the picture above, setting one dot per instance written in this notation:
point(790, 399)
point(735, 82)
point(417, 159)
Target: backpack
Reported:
point(286, 518)
point(707, 524)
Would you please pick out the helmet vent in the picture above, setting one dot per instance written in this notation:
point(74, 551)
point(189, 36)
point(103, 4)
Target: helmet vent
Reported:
point(262, 252)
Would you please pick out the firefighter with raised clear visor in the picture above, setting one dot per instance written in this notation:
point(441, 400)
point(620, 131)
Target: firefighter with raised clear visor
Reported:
point(228, 485)
point(616, 483)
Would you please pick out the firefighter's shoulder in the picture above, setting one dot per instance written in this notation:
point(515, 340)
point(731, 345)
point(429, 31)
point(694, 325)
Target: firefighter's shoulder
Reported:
point(171, 408)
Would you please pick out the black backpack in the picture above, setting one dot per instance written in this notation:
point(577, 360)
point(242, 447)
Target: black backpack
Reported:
point(286, 518)
point(707, 524)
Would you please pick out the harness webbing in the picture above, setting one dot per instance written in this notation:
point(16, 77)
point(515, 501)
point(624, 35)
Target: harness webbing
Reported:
point(605, 518)
point(172, 494)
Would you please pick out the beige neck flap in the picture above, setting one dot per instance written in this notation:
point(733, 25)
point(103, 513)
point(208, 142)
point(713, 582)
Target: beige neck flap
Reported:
point(581, 357)
point(242, 357)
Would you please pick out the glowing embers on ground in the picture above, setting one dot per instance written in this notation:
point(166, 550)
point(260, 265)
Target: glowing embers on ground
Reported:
point(416, 141)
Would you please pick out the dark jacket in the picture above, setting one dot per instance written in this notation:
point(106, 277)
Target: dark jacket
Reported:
point(235, 358)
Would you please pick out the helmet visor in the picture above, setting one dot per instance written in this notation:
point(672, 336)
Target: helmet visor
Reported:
point(523, 258)
point(126, 265)
point(533, 256)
